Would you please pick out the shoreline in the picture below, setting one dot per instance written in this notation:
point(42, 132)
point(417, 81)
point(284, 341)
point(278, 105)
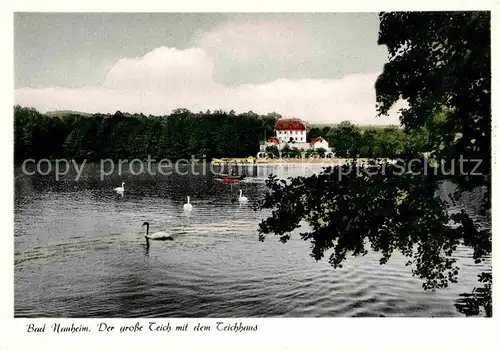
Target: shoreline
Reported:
point(232, 161)
point(247, 161)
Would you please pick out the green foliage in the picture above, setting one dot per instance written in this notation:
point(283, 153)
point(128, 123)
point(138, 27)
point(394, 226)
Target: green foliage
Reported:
point(315, 153)
point(272, 151)
point(290, 152)
point(181, 134)
point(440, 64)
point(316, 132)
point(268, 121)
point(348, 140)
point(347, 206)
point(470, 304)
point(320, 151)
point(344, 139)
point(33, 134)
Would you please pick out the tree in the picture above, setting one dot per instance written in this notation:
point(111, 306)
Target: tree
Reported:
point(345, 139)
point(122, 135)
point(321, 152)
point(315, 153)
point(295, 153)
point(268, 121)
point(290, 152)
point(368, 143)
point(285, 151)
point(273, 151)
point(325, 130)
point(440, 64)
point(313, 133)
point(388, 143)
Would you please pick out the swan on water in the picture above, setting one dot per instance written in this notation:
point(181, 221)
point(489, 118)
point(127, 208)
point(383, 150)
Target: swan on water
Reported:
point(242, 198)
point(188, 206)
point(157, 236)
point(120, 189)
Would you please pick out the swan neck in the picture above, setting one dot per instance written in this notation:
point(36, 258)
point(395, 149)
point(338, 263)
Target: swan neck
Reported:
point(188, 199)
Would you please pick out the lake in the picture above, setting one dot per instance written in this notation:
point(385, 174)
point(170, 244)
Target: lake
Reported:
point(80, 252)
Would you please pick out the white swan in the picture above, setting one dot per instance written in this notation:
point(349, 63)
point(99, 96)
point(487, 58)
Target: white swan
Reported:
point(242, 198)
point(157, 236)
point(188, 206)
point(120, 190)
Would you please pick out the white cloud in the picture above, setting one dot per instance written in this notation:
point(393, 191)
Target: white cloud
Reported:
point(283, 41)
point(167, 78)
point(162, 69)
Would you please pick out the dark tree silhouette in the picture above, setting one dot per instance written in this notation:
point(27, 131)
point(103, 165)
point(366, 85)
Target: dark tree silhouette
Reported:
point(440, 64)
point(125, 136)
point(273, 151)
point(181, 134)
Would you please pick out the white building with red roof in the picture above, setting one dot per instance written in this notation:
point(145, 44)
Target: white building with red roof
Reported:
point(319, 142)
point(288, 130)
point(294, 133)
point(273, 141)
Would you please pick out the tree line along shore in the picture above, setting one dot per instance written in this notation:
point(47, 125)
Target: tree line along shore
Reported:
point(184, 135)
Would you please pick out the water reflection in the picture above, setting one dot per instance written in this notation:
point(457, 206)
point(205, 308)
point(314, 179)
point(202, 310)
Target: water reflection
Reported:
point(80, 252)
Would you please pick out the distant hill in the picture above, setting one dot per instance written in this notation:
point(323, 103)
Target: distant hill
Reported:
point(67, 112)
point(361, 127)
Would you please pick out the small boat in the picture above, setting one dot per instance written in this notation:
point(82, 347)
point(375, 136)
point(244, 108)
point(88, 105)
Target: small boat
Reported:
point(232, 178)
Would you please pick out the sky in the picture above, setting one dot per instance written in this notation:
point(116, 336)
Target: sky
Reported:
point(319, 67)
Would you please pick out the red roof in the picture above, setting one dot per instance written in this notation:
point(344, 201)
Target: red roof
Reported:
point(273, 140)
point(289, 124)
point(318, 139)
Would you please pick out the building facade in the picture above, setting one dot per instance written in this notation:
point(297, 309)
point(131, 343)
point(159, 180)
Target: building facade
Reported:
point(290, 130)
point(320, 142)
point(293, 133)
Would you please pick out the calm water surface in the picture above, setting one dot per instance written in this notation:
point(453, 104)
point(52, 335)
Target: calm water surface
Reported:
point(79, 252)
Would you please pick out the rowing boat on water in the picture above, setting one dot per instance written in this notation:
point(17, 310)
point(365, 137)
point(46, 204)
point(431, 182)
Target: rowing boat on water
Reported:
point(231, 178)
